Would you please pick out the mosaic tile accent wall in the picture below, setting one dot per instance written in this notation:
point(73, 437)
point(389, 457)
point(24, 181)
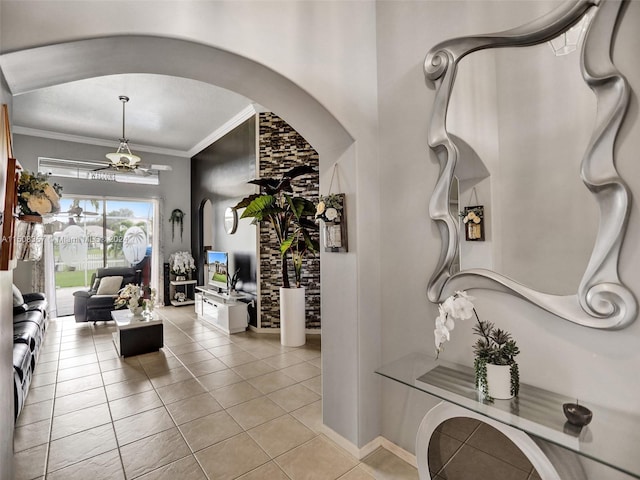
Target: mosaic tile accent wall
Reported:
point(280, 149)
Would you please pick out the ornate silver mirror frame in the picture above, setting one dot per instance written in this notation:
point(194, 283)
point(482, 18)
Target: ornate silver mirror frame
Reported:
point(602, 301)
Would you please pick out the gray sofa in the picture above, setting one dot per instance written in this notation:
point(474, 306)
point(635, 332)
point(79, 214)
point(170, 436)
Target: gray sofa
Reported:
point(88, 306)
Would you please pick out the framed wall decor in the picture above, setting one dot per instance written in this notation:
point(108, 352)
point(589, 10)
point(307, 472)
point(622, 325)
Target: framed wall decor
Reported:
point(473, 221)
point(331, 210)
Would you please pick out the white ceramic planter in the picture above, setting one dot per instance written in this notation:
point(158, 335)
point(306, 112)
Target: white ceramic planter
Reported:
point(499, 381)
point(292, 317)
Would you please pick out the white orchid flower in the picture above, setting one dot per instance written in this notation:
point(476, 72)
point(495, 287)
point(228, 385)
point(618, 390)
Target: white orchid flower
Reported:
point(331, 214)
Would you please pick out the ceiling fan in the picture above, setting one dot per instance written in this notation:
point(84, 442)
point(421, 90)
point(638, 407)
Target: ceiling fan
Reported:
point(122, 160)
point(77, 211)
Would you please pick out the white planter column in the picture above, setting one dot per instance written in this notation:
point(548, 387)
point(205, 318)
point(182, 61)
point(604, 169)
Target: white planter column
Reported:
point(292, 316)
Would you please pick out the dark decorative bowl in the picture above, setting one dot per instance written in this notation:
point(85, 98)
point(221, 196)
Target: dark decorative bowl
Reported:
point(577, 414)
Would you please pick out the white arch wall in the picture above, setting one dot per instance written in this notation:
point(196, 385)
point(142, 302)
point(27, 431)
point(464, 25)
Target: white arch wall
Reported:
point(333, 103)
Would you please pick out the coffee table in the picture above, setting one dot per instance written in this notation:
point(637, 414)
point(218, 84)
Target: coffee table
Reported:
point(136, 335)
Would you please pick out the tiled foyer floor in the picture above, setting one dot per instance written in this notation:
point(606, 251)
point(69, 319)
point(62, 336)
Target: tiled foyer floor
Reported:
point(208, 406)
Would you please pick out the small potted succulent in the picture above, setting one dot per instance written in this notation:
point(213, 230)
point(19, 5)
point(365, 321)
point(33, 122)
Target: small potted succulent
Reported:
point(496, 371)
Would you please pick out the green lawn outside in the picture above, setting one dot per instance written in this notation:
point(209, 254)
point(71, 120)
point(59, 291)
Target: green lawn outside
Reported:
point(71, 279)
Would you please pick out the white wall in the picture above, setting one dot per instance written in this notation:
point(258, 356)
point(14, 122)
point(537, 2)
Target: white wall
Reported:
point(595, 366)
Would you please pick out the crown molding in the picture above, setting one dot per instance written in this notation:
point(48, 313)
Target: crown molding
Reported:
point(66, 137)
point(240, 117)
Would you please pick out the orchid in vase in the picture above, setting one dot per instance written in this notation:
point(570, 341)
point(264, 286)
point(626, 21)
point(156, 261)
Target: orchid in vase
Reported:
point(136, 298)
point(494, 347)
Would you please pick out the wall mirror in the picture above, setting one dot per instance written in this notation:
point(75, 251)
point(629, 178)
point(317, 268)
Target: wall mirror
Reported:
point(530, 130)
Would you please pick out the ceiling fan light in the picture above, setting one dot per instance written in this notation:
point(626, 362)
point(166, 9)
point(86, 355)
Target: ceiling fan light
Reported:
point(123, 158)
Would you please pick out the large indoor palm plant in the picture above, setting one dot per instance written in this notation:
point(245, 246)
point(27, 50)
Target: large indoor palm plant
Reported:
point(291, 217)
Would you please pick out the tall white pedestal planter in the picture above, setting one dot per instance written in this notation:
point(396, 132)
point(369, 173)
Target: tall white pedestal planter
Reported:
point(499, 381)
point(292, 317)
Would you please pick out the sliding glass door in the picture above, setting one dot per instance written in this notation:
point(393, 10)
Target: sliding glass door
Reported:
point(93, 233)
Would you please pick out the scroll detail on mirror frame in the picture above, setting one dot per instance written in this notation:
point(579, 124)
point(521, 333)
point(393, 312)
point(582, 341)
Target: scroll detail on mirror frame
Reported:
point(602, 301)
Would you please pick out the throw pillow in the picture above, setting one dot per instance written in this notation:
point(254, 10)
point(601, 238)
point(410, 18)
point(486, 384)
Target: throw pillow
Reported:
point(17, 297)
point(109, 285)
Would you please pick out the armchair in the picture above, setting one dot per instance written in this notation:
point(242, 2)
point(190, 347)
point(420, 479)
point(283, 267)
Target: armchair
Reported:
point(95, 306)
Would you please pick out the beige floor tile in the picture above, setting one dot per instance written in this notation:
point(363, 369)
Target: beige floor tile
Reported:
point(77, 372)
point(77, 352)
point(284, 360)
point(271, 382)
point(134, 404)
point(44, 366)
point(226, 349)
point(302, 371)
point(294, 397)
point(40, 394)
point(253, 369)
point(311, 416)
point(316, 361)
point(306, 353)
point(317, 459)
point(384, 465)
point(125, 374)
point(48, 357)
point(255, 412)
point(78, 385)
point(270, 471)
point(194, 357)
point(124, 389)
point(470, 462)
point(77, 361)
point(106, 466)
point(231, 458)
point(148, 454)
point(493, 442)
point(186, 348)
point(172, 376)
point(219, 379)
point(235, 394)
point(180, 390)
point(186, 468)
point(193, 407)
point(34, 412)
point(31, 435)
point(76, 401)
point(41, 379)
point(263, 351)
point(441, 448)
point(238, 358)
point(80, 446)
point(29, 464)
point(314, 384)
point(161, 365)
point(357, 473)
point(281, 435)
point(80, 420)
point(208, 366)
point(206, 431)
point(135, 427)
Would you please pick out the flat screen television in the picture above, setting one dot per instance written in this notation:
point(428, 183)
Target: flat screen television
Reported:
point(218, 268)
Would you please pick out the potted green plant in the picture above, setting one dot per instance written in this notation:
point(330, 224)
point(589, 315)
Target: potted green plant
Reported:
point(291, 217)
point(496, 371)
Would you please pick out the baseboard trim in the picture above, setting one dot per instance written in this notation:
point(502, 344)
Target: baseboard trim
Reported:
point(370, 447)
point(274, 331)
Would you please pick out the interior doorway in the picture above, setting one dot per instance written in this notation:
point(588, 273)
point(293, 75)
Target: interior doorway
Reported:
point(92, 233)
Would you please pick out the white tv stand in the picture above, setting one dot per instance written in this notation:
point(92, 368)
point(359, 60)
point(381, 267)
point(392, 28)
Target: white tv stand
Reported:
point(221, 310)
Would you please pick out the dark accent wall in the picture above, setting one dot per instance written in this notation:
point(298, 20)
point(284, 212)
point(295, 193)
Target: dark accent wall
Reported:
point(282, 148)
point(220, 173)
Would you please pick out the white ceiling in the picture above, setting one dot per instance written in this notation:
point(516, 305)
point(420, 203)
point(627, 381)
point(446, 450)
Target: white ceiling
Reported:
point(164, 114)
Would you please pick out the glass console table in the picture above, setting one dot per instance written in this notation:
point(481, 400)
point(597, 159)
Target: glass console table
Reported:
point(612, 438)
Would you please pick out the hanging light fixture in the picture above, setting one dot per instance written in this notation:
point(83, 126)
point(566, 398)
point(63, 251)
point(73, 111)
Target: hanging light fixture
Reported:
point(123, 159)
